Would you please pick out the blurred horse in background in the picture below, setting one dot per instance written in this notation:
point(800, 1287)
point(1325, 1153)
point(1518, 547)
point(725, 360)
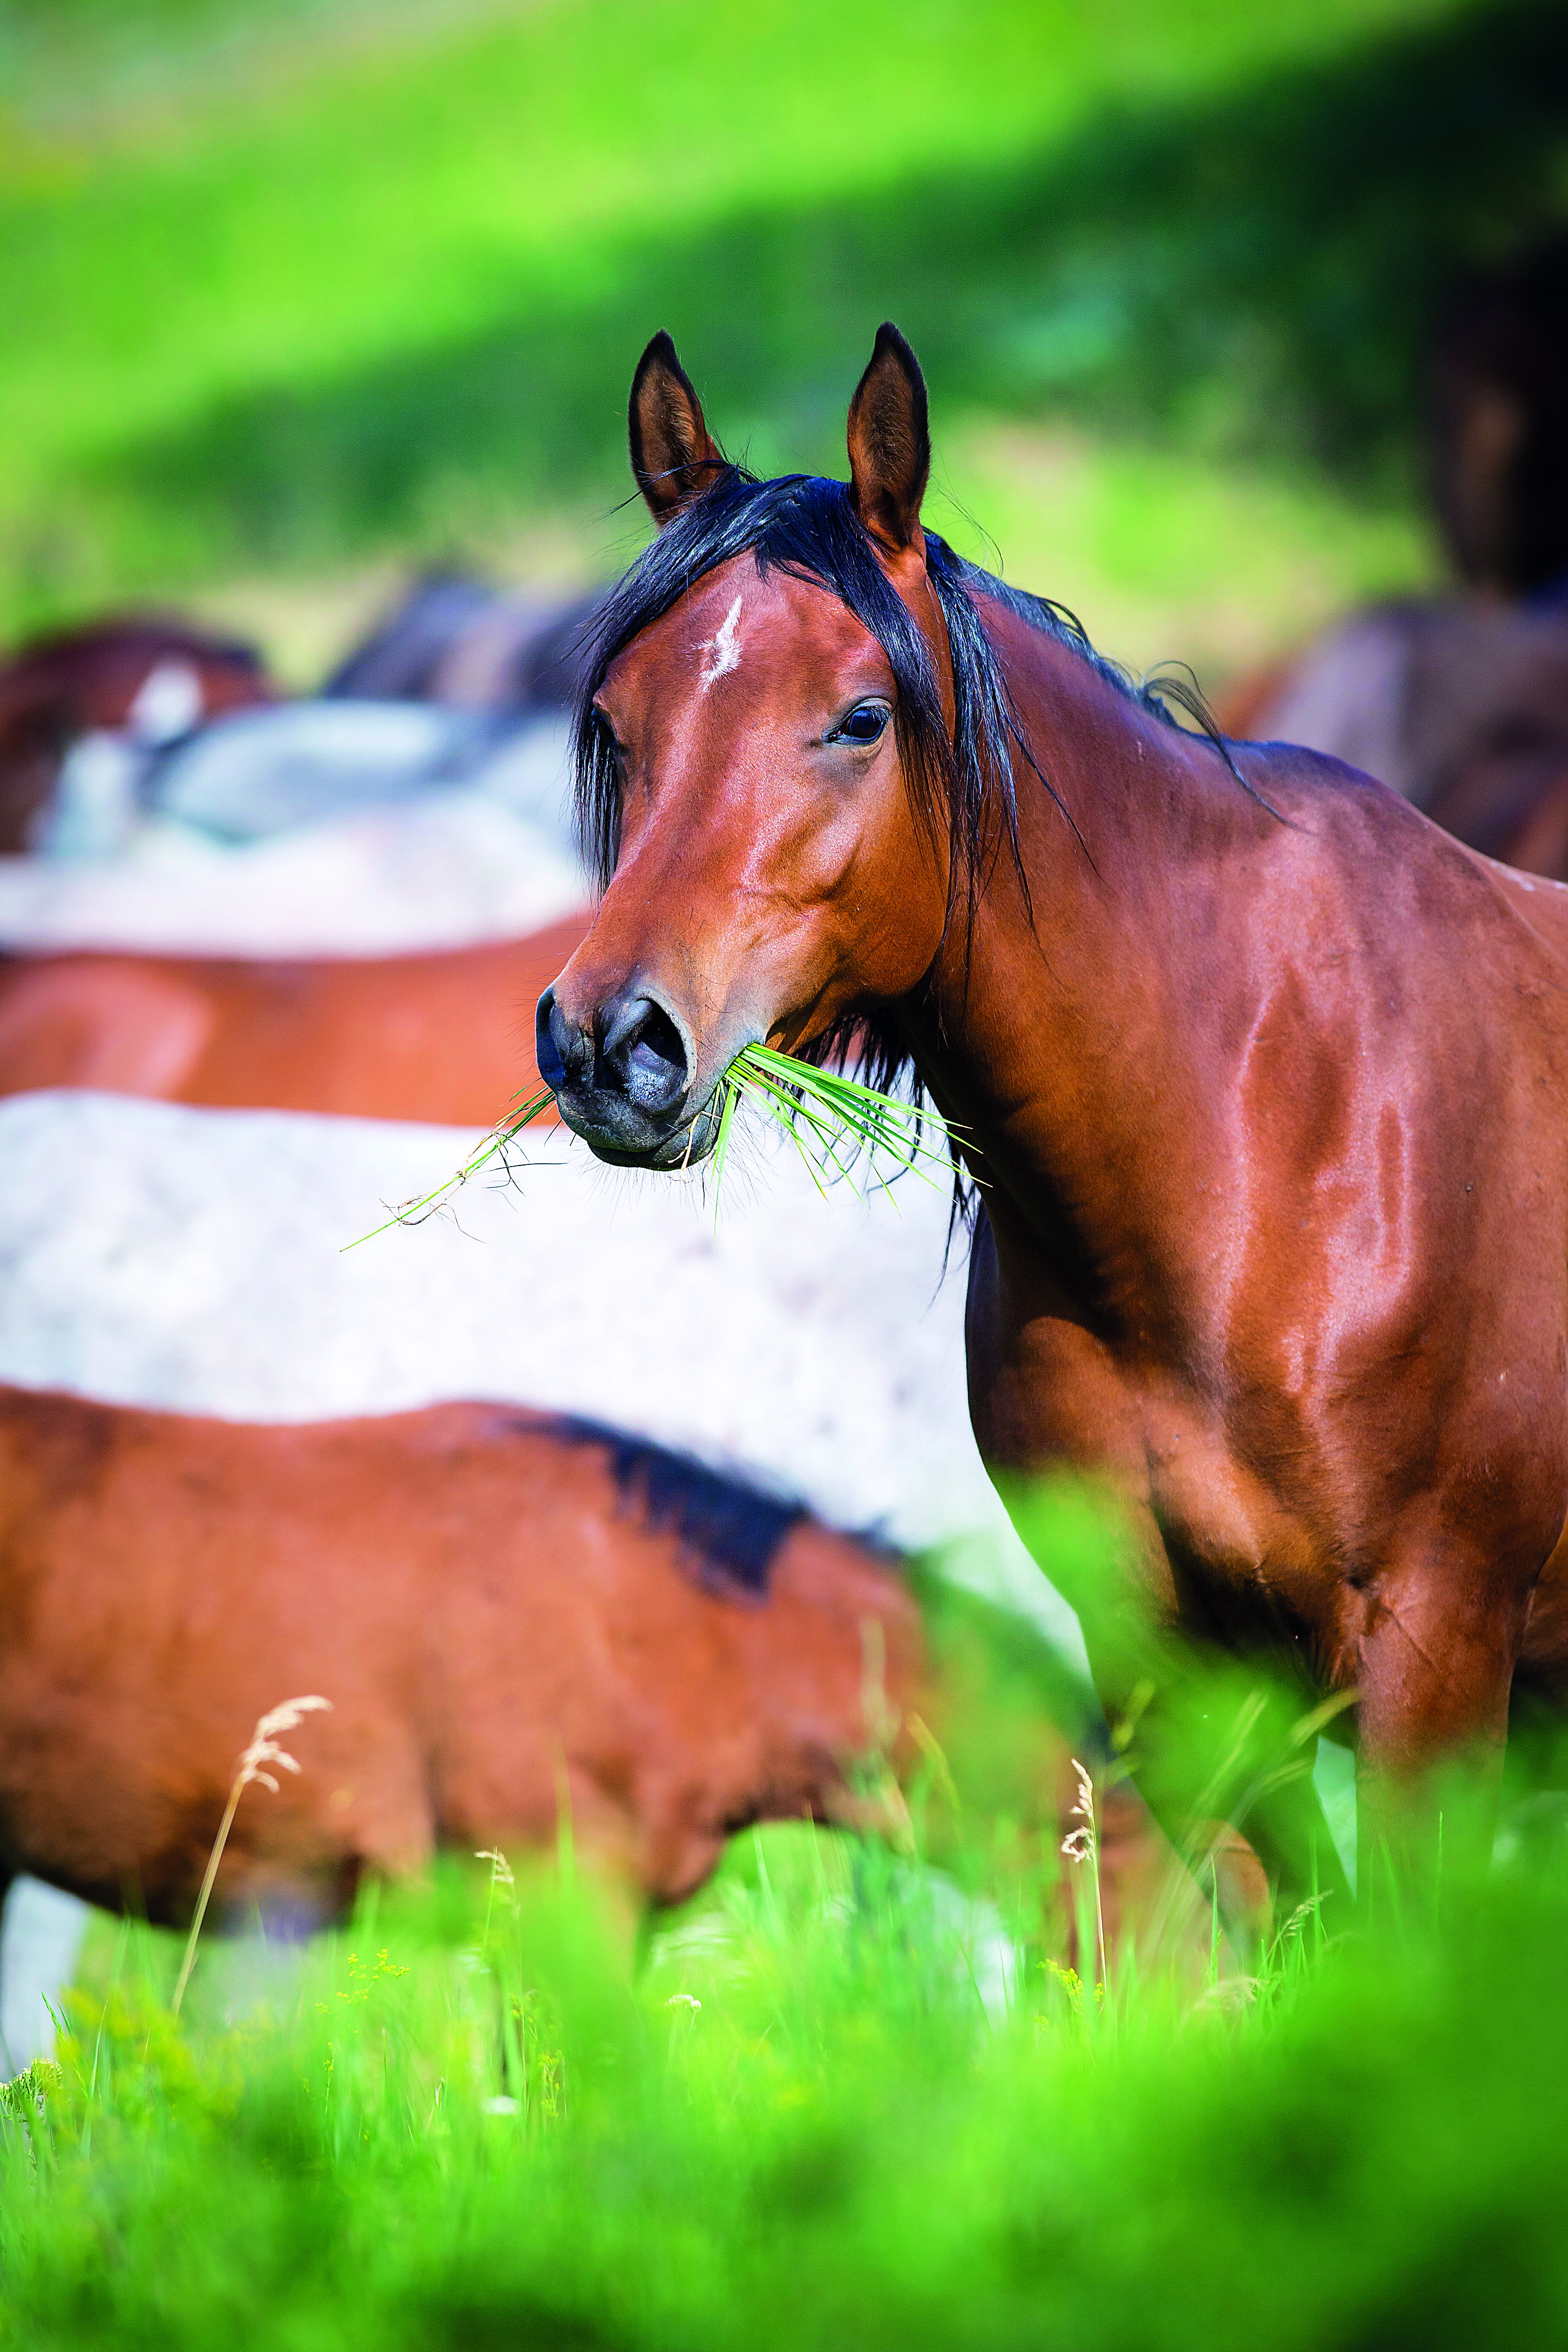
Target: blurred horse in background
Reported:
point(522, 1622)
point(446, 1038)
point(136, 672)
point(512, 1614)
point(457, 640)
point(1461, 702)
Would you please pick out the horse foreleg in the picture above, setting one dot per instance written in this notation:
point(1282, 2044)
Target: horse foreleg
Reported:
point(1285, 1827)
point(1437, 1661)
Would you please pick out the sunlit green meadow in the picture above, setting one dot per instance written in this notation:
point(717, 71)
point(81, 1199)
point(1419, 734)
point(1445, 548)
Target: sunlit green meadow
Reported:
point(830, 2107)
point(296, 296)
point(852, 2094)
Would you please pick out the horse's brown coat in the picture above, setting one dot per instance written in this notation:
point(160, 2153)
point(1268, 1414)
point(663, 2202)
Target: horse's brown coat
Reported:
point(1268, 1103)
point(500, 1632)
point(446, 1036)
point(510, 1641)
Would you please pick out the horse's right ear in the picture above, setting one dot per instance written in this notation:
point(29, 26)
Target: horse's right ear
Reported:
point(673, 455)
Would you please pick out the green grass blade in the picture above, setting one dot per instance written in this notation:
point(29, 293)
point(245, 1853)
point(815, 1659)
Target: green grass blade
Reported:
point(415, 1213)
point(721, 1146)
point(830, 1118)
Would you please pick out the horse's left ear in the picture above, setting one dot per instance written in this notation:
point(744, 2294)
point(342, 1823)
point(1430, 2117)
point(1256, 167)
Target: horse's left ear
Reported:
point(890, 445)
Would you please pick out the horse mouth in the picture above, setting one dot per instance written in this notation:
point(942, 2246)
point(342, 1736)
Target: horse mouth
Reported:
point(622, 1135)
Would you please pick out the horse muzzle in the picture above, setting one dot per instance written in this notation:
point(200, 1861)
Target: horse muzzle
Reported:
point(622, 1080)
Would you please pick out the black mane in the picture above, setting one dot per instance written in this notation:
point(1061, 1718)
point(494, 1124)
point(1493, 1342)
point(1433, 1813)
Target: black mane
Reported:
point(729, 1531)
point(805, 525)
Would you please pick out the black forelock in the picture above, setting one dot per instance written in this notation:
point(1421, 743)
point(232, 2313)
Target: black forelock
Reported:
point(800, 524)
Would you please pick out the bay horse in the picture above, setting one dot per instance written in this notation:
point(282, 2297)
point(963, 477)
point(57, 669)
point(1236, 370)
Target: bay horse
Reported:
point(446, 1036)
point(521, 1621)
point(1260, 1079)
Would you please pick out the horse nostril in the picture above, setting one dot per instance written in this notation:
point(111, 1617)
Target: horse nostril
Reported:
point(643, 1056)
point(563, 1052)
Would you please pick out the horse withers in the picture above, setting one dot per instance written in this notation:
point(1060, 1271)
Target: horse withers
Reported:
point(1259, 1077)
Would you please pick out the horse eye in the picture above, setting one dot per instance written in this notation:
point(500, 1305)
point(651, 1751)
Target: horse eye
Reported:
point(609, 740)
point(863, 724)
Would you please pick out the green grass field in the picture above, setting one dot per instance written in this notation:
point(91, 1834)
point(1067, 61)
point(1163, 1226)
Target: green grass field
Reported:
point(844, 2098)
point(810, 2116)
point(293, 299)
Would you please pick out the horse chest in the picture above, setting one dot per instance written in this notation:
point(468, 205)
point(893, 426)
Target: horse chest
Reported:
point(1246, 1567)
point(1229, 1554)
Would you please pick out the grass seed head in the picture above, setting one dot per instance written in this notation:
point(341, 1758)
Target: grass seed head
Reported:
point(250, 1764)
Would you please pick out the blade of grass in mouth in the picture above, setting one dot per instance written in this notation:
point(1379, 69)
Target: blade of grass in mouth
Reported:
point(830, 1118)
point(492, 1146)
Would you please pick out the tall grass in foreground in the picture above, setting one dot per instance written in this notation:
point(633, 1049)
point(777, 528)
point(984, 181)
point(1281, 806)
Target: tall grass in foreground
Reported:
point(251, 1771)
point(806, 2117)
point(844, 2098)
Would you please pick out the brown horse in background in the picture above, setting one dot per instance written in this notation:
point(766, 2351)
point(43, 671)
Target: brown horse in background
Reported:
point(518, 1620)
point(1263, 1079)
point(1462, 705)
point(66, 684)
point(446, 1036)
point(1461, 701)
point(509, 1613)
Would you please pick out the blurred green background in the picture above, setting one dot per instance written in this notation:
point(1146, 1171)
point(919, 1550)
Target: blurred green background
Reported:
point(295, 294)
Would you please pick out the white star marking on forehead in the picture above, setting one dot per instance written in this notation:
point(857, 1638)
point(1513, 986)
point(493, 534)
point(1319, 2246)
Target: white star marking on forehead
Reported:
point(723, 648)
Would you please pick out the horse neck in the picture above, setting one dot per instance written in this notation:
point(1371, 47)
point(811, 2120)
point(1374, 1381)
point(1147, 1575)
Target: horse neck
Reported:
point(1063, 1044)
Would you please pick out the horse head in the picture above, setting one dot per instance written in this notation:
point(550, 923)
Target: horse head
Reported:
point(764, 747)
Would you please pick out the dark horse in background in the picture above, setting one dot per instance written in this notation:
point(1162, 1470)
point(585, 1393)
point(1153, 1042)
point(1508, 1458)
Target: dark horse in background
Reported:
point(1261, 1078)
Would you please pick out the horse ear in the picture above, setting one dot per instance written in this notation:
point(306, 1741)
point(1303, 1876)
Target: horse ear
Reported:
point(890, 444)
point(673, 455)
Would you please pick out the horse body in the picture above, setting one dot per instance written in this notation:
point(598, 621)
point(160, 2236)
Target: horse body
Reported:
point(1260, 1075)
point(526, 1625)
point(515, 1617)
point(1266, 1108)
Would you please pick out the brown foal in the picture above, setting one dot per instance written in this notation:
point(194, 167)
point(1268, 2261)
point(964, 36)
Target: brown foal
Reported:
point(512, 1615)
point(1261, 1077)
point(520, 1620)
